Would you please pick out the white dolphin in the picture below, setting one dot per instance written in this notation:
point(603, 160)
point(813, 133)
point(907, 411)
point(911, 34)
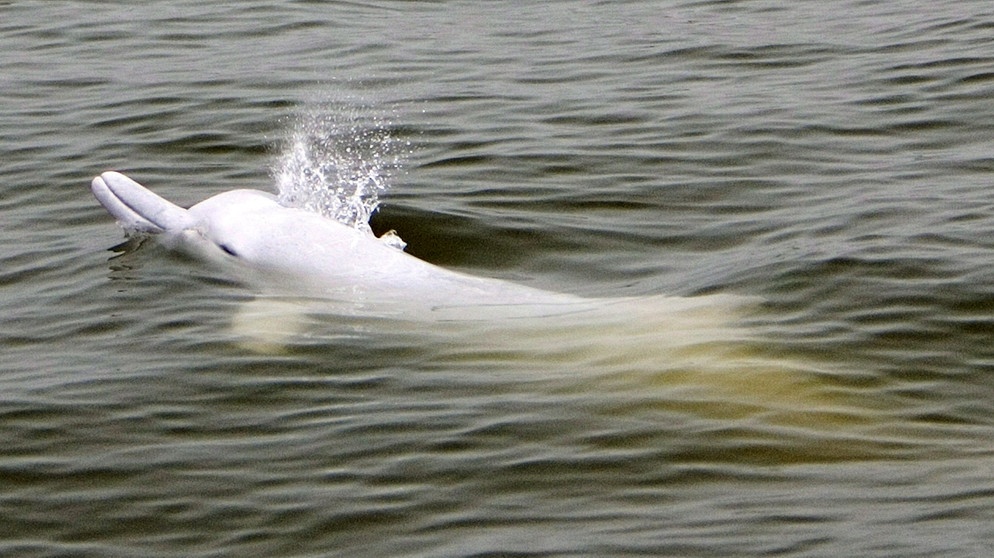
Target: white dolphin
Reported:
point(317, 256)
point(305, 265)
point(690, 349)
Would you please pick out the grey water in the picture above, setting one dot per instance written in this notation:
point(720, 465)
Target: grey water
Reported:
point(832, 158)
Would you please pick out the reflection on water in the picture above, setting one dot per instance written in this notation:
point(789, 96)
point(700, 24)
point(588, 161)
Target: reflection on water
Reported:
point(651, 358)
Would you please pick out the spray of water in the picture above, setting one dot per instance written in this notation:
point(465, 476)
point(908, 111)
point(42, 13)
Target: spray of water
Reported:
point(336, 161)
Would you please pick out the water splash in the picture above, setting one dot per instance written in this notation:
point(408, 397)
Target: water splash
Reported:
point(336, 161)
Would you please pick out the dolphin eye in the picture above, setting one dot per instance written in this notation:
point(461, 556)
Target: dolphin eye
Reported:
point(227, 249)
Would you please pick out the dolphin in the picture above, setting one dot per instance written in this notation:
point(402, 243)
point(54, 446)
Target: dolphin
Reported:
point(686, 354)
point(250, 232)
point(304, 265)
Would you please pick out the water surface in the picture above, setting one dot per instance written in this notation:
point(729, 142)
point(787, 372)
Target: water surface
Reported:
point(833, 159)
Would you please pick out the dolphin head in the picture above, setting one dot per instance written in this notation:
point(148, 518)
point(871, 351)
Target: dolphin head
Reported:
point(249, 226)
point(218, 226)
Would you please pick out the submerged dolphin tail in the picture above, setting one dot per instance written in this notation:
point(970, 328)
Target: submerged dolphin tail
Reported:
point(136, 207)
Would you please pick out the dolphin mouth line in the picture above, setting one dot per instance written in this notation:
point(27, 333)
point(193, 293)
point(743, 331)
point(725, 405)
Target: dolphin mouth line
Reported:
point(137, 208)
point(120, 210)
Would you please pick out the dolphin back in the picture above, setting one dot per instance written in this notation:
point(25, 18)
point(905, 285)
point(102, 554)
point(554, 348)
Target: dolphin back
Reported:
point(137, 208)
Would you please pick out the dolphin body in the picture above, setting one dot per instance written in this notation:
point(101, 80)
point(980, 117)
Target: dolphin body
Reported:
point(311, 273)
point(294, 249)
point(251, 230)
point(684, 355)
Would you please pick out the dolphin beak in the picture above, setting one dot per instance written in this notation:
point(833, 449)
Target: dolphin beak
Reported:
point(137, 208)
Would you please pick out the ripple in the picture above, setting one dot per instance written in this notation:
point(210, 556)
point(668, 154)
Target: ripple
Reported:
point(834, 160)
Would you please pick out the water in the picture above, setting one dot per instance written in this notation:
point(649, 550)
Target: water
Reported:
point(833, 159)
point(335, 161)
